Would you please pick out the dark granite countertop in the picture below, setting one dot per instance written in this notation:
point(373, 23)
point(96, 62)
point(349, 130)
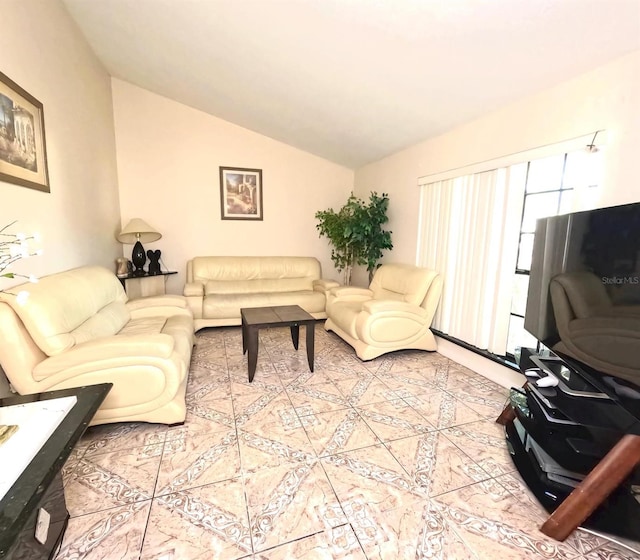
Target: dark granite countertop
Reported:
point(19, 502)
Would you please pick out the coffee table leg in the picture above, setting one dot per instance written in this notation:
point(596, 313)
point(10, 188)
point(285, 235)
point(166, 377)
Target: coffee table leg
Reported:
point(295, 335)
point(252, 347)
point(244, 337)
point(311, 330)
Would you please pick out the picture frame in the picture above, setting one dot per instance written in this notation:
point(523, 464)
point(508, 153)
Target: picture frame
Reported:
point(241, 193)
point(23, 153)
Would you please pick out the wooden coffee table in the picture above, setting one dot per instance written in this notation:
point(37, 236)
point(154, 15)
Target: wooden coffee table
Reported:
point(256, 318)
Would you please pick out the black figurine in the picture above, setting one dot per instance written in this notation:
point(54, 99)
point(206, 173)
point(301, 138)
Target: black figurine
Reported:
point(154, 261)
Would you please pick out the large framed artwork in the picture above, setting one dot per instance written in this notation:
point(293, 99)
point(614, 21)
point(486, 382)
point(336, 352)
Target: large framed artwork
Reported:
point(240, 193)
point(23, 155)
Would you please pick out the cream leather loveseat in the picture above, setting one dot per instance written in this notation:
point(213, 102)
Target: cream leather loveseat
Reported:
point(217, 287)
point(77, 328)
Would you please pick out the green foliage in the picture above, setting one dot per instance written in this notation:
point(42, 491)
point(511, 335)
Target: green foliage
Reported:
point(356, 233)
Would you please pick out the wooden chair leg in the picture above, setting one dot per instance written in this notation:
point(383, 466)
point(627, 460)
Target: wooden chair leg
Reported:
point(594, 489)
point(507, 415)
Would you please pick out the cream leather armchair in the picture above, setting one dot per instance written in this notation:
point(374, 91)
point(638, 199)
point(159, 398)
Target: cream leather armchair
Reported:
point(394, 313)
point(594, 330)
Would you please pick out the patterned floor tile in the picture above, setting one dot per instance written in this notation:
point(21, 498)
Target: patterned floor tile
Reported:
point(393, 419)
point(314, 399)
point(258, 451)
point(443, 410)
point(407, 383)
point(365, 390)
point(306, 379)
point(484, 442)
point(108, 480)
point(496, 524)
point(435, 464)
point(338, 543)
point(612, 551)
point(370, 475)
point(262, 408)
point(199, 524)
point(338, 431)
point(290, 502)
point(482, 399)
point(116, 533)
point(203, 420)
point(107, 438)
point(413, 530)
point(188, 462)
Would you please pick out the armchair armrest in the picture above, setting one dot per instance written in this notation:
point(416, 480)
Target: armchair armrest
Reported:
point(323, 285)
point(193, 289)
point(194, 292)
point(392, 306)
point(157, 301)
point(112, 351)
point(351, 293)
point(159, 306)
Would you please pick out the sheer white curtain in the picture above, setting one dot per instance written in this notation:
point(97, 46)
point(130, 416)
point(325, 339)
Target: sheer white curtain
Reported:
point(469, 231)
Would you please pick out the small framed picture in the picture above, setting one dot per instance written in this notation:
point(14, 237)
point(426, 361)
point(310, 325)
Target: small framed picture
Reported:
point(240, 193)
point(23, 155)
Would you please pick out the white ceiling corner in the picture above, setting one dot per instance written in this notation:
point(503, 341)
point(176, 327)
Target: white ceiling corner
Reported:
point(353, 80)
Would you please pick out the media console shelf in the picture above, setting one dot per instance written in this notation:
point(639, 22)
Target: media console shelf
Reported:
point(577, 446)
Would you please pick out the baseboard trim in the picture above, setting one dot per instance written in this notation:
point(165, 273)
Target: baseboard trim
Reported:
point(483, 363)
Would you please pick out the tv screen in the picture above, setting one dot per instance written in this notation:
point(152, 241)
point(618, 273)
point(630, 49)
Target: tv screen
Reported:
point(584, 289)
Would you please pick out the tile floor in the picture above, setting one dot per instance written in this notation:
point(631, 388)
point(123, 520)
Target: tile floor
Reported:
point(397, 458)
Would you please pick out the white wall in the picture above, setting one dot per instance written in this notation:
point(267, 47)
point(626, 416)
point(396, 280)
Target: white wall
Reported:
point(168, 165)
point(605, 98)
point(42, 51)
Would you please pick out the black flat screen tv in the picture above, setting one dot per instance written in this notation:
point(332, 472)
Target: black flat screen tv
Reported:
point(584, 289)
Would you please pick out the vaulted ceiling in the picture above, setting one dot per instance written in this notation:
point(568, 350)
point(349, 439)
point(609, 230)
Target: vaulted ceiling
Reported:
point(353, 80)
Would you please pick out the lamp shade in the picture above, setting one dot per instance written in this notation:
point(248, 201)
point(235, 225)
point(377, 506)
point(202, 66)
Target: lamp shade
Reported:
point(138, 230)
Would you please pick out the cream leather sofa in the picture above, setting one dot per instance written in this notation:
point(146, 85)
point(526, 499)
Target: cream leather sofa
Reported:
point(217, 287)
point(395, 313)
point(77, 328)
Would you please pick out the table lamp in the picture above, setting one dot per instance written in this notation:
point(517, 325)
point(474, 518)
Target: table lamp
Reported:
point(137, 231)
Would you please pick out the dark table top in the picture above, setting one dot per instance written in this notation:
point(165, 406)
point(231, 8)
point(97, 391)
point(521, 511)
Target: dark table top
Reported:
point(24, 495)
point(276, 315)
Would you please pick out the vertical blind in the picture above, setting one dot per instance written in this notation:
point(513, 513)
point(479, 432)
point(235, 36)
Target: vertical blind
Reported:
point(469, 229)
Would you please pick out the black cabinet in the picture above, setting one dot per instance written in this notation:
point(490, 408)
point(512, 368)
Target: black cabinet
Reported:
point(559, 433)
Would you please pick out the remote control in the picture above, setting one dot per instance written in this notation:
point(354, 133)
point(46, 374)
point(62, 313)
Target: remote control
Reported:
point(548, 381)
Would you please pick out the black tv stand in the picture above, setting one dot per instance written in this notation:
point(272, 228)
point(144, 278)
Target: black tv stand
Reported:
point(577, 446)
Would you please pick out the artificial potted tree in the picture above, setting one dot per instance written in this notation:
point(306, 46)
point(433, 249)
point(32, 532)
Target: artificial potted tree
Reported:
point(356, 234)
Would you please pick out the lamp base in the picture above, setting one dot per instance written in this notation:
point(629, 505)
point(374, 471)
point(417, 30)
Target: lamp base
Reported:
point(138, 258)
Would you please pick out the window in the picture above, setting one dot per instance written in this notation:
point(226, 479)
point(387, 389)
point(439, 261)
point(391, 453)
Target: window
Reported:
point(477, 230)
point(552, 187)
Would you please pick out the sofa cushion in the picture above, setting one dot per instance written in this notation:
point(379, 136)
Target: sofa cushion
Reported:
point(71, 307)
point(224, 306)
point(251, 268)
point(258, 285)
point(106, 322)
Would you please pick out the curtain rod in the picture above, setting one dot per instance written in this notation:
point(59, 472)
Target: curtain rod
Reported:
point(589, 137)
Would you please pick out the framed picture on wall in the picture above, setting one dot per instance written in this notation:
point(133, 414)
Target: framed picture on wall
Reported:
point(23, 154)
point(240, 193)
